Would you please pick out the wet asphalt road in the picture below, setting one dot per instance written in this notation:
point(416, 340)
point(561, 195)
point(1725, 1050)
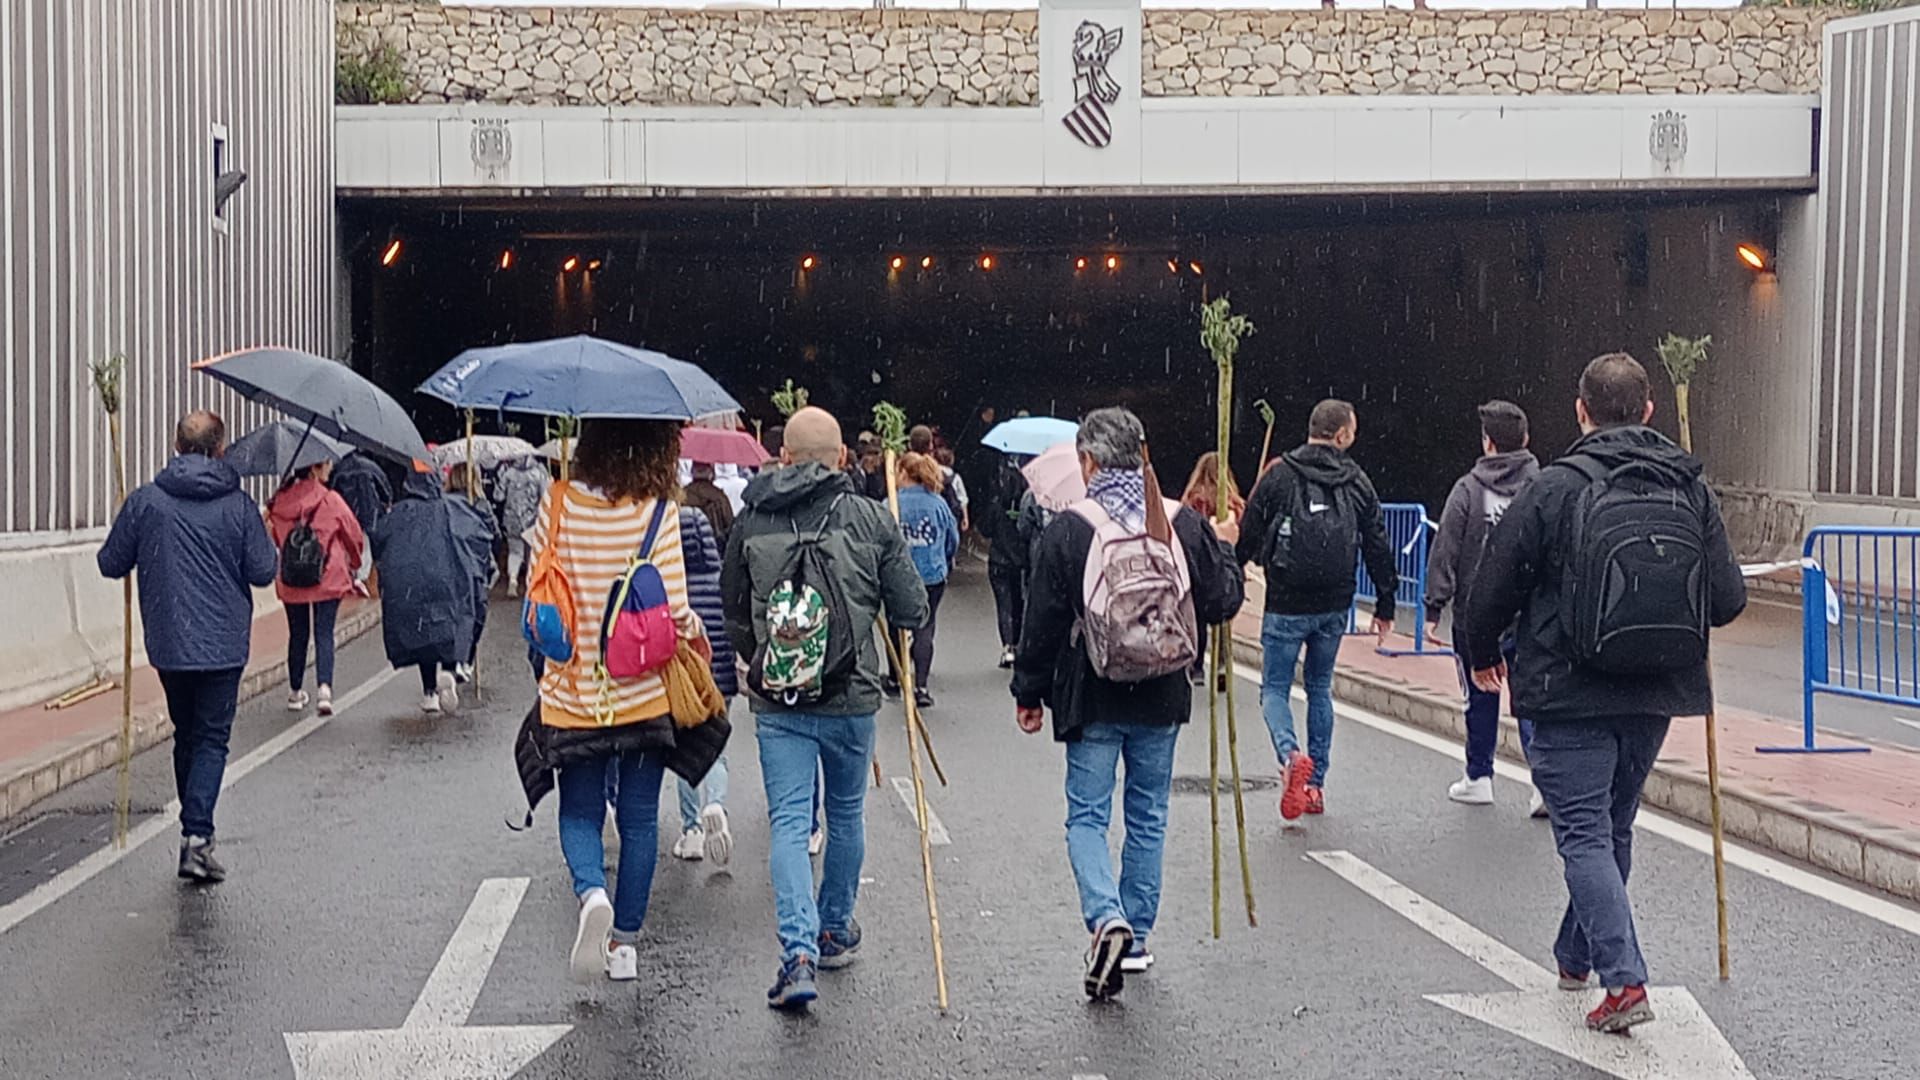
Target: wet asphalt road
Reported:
point(355, 853)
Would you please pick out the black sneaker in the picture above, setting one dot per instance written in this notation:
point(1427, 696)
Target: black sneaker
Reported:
point(1111, 944)
point(795, 987)
point(197, 863)
point(890, 687)
point(922, 697)
point(840, 948)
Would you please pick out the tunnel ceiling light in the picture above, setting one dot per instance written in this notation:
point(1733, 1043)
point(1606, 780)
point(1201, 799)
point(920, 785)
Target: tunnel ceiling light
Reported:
point(572, 264)
point(1172, 267)
point(1080, 263)
point(392, 253)
point(594, 265)
point(808, 262)
point(897, 263)
point(506, 259)
point(1113, 262)
point(1755, 256)
point(986, 262)
point(1195, 267)
point(926, 262)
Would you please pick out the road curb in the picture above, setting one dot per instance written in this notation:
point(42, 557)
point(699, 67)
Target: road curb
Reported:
point(1843, 844)
point(28, 784)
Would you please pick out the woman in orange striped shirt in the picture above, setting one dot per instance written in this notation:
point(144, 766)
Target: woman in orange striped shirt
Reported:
point(595, 724)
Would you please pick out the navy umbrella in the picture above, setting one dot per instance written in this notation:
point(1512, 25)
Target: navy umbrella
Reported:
point(584, 377)
point(283, 447)
point(324, 393)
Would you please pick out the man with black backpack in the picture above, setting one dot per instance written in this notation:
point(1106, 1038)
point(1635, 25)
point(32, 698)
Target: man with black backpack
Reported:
point(810, 567)
point(1616, 562)
point(1312, 514)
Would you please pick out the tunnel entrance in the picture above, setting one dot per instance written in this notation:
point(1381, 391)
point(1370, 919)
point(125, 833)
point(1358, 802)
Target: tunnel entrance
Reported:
point(1414, 308)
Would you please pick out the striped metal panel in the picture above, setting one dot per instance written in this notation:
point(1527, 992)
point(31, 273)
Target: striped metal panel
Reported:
point(1867, 408)
point(106, 217)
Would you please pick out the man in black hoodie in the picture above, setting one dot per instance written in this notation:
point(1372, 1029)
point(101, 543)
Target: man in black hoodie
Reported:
point(1474, 507)
point(1616, 561)
point(1308, 514)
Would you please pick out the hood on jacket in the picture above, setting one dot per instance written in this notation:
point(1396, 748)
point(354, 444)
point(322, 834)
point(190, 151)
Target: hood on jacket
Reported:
point(297, 500)
point(792, 487)
point(1324, 465)
point(421, 485)
point(1506, 473)
point(1636, 444)
point(198, 478)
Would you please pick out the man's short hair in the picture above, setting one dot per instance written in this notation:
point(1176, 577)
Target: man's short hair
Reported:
point(1615, 390)
point(1329, 418)
point(1113, 438)
point(1504, 424)
point(920, 439)
point(200, 432)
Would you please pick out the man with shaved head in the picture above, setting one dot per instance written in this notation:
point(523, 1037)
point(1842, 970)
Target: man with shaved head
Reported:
point(810, 567)
point(201, 549)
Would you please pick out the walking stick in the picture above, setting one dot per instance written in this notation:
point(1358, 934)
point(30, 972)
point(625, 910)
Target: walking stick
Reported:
point(473, 498)
point(107, 375)
point(926, 738)
point(1266, 441)
point(1224, 644)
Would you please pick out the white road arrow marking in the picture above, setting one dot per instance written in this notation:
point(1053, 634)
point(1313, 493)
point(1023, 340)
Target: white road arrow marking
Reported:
point(434, 1043)
point(1682, 1044)
point(936, 832)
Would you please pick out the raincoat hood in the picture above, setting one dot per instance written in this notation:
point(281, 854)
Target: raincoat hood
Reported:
point(1327, 466)
point(1636, 444)
point(789, 487)
point(1506, 473)
point(197, 478)
point(419, 485)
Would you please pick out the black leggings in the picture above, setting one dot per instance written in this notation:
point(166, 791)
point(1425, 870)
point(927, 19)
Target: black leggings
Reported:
point(923, 637)
point(315, 620)
point(1009, 600)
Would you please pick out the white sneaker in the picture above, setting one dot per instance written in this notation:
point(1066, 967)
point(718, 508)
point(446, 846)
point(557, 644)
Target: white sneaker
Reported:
point(692, 845)
point(1471, 791)
point(297, 701)
point(449, 692)
point(325, 701)
point(1538, 806)
point(430, 704)
point(590, 939)
point(1137, 960)
point(462, 674)
point(718, 838)
point(623, 962)
point(817, 842)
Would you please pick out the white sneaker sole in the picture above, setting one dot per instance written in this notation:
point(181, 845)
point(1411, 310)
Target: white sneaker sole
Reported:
point(1105, 969)
point(590, 940)
point(719, 838)
point(1470, 799)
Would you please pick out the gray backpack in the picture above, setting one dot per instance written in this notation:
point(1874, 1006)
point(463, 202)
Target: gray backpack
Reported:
point(1138, 618)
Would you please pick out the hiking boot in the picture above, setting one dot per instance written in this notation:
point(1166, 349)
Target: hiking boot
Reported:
point(796, 986)
point(692, 845)
point(623, 961)
point(1316, 801)
point(1569, 981)
point(590, 937)
point(922, 697)
point(1006, 658)
point(1471, 791)
point(197, 863)
point(1111, 943)
point(324, 701)
point(1138, 959)
point(1293, 798)
point(1620, 1011)
point(840, 948)
point(296, 701)
point(716, 835)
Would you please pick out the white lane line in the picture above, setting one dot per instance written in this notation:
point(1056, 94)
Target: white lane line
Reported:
point(1839, 893)
point(1914, 724)
point(455, 984)
point(936, 832)
point(20, 909)
point(1467, 940)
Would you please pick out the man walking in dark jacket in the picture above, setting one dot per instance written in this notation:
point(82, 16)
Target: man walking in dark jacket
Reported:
point(1601, 668)
point(1474, 507)
point(1103, 722)
point(1308, 514)
point(1007, 555)
point(869, 571)
point(201, 549)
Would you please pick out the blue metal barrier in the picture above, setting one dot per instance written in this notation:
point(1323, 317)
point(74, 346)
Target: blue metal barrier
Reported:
point(1860, 630)
point(1407, 530)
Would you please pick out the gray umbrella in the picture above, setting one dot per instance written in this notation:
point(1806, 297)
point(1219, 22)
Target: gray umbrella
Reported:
point(325, 393)
point(283, 447)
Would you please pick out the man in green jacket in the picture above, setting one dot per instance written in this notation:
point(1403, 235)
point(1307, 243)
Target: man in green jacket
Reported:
point(810, 503)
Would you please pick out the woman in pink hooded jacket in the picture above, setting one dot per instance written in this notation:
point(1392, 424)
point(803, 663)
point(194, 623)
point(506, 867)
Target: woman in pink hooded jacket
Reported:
point(312, 608)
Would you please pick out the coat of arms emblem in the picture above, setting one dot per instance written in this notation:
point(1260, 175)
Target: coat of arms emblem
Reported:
point(1667, 140)
point(492, 147)
point(1093, 88)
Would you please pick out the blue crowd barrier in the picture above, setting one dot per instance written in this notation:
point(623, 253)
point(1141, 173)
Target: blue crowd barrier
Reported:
point(1407, 530)
point(1860, 630)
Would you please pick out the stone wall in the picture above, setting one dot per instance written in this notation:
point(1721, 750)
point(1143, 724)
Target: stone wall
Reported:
point(892, 57)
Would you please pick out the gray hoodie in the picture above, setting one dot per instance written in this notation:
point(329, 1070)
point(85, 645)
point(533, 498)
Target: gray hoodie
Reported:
point(1473, 508)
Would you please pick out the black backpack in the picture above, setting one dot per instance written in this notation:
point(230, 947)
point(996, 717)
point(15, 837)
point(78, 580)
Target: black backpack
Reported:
point(1316, 542)
point(1633, 587)
point(303, 558)
point(808, 656)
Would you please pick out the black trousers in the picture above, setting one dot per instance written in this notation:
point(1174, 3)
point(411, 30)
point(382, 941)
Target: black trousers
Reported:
point(1009, 600)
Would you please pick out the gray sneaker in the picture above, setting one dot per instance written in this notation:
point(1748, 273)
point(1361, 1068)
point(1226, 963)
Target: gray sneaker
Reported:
point(197, 863)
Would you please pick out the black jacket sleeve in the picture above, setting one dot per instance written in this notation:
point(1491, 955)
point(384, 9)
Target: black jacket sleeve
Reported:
point(1270, 497)
point(736, 593)
point(1378, 552)
point(1443, 557)
point(1508, 572)
point(1053, 596)
point(1212, 567)
point(1727, 588)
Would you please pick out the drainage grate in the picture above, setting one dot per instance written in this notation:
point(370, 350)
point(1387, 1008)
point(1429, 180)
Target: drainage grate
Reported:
point(1197, 785)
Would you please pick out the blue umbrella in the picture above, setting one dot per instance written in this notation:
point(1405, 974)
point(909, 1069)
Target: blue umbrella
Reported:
point(582, 377)
point(1030, 434)
point(283, 447)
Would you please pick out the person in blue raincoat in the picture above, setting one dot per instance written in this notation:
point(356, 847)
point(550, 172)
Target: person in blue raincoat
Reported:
point(427, 594)
point(475, 528)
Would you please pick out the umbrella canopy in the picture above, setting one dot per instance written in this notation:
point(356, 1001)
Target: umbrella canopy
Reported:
point(711, 446)
point(1030, 434)
point(580, 376)
point(283, 447)
point(322, 392)
point(1054, 477)
point(488, 451)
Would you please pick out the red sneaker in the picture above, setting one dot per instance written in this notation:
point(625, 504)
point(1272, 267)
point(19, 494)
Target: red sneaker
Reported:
point(1293, 800)
point(1621, 1011)
point(1316, 802)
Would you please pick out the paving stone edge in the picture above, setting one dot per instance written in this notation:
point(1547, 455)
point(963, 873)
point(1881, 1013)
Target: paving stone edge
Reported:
point(27, 785)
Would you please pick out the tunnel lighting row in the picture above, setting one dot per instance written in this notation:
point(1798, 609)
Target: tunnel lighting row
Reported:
point(988, 262)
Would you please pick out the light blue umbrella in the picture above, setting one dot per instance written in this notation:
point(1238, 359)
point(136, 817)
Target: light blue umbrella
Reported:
point(584, 377)
point(1030, 434)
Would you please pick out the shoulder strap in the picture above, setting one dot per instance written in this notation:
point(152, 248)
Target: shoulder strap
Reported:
point(1586, 465)
point(653, 528)
point(557, 514)
point(826, 519)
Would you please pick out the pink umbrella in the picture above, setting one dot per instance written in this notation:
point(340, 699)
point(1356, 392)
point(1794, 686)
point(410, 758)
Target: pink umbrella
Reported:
point(711, 446)
point(1054, 477)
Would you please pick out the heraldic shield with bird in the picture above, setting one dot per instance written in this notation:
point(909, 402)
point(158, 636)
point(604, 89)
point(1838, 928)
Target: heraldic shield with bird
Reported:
point(1093, 88)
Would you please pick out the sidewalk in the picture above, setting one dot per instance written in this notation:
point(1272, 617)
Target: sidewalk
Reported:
point(1856, 815)
point(44, 750)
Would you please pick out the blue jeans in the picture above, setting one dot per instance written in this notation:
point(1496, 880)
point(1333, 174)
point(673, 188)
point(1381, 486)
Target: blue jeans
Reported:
point(1281, 639)
point(793, 748)
point(712, 790)
point(1148, 753)
point(1590, 773)
point(201, 705)
point(1483, 714)
point(583, 809)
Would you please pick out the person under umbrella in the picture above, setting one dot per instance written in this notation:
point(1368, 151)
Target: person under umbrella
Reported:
point(520, 485)
point(427, 599)
point(473, 528)
point(320, 545)
point(705, 496)
point(364, 485)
